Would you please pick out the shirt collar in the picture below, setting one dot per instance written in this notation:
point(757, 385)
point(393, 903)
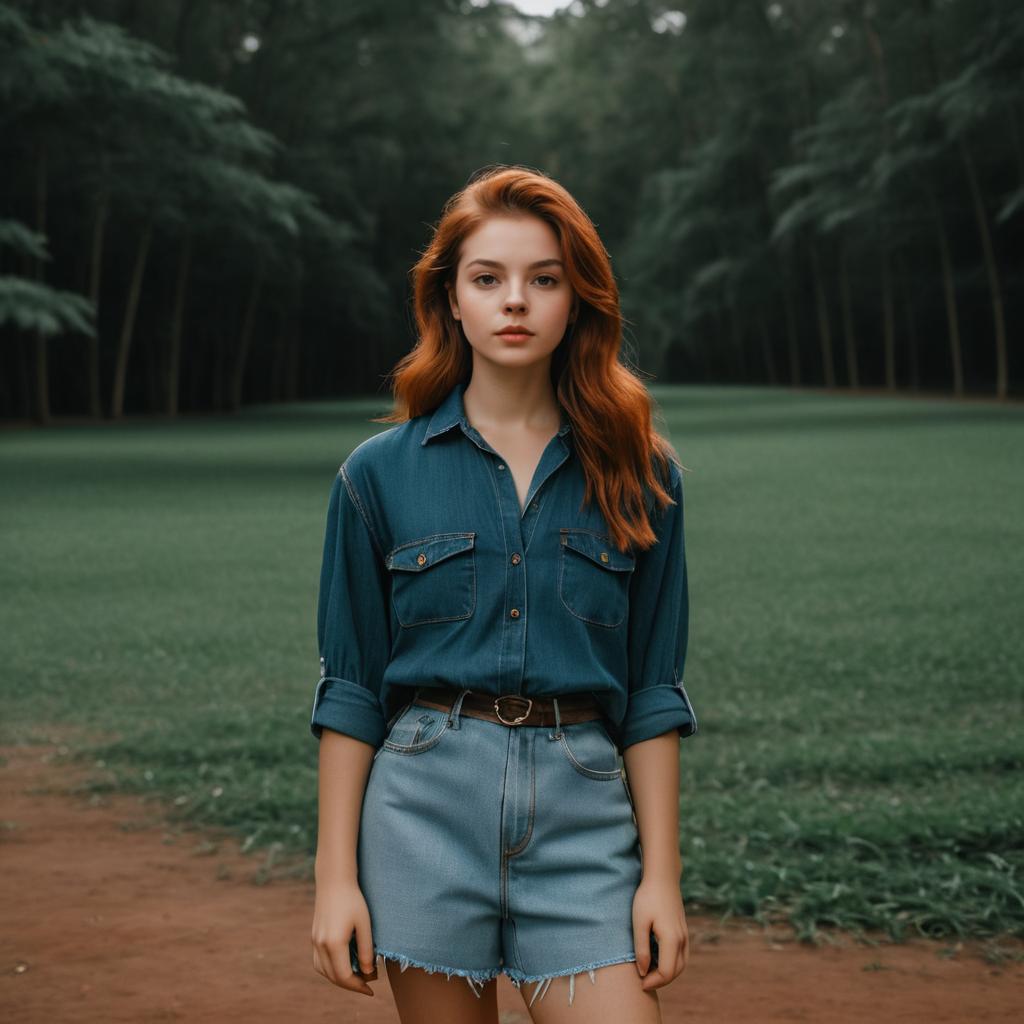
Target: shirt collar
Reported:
point(452, 413)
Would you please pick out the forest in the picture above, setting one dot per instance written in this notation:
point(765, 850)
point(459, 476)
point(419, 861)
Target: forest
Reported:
point(212, 204)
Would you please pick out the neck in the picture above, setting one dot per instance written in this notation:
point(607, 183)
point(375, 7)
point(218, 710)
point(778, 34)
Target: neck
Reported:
point(521, 400)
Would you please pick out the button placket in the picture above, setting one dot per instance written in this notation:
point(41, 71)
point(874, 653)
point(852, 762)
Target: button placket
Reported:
point(513, 640)
point(512, 657)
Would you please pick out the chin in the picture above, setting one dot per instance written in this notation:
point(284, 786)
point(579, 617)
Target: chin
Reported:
point(524, 356)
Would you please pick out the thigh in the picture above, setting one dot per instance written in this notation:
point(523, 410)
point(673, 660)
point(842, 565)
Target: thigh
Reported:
point(423, 998)
point(614, 996)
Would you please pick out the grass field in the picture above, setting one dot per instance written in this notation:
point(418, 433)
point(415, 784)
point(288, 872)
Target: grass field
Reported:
point(855, 659)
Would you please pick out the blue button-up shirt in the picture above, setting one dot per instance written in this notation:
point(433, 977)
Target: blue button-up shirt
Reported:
point(434, 575)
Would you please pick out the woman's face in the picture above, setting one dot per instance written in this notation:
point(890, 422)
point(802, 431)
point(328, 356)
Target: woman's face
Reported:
point(510, 273)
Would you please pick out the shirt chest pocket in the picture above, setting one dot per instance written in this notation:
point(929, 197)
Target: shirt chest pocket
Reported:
point(593, 577)
point(433, 579)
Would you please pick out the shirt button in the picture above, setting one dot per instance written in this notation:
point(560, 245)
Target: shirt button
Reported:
point(516, 558)
point(514, 613)
point(534, 506)
point(501, 465)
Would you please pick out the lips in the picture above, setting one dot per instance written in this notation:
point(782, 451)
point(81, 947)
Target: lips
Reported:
point(514, 330)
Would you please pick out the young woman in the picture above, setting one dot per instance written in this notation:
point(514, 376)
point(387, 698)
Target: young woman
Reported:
point(503, 613)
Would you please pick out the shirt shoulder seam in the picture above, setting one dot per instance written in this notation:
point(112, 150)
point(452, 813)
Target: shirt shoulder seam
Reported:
point(361, 509)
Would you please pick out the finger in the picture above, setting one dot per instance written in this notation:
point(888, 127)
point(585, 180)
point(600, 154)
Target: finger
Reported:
point(323, 965)
point(364, 950)
point(642, 947)
point(655, 978)
point(340, 961)
point(667, 952)
point(336, 951)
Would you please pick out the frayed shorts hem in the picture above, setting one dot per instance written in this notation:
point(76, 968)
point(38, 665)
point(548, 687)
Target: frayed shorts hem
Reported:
point(518, 978)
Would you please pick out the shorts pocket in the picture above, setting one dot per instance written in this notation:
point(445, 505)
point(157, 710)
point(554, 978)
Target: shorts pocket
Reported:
point(629, 795)
point(418, 728)
point(589, 748)
point(593, 577)
point(433, 579)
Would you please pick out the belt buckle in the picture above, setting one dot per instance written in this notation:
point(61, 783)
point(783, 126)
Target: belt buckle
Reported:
point(513, 696)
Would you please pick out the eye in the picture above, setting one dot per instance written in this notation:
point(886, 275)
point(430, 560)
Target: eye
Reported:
point(541, 277)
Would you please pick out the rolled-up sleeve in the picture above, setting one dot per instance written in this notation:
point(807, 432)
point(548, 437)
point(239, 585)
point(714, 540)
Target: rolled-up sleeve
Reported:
point(353, 622)
point(658, 630)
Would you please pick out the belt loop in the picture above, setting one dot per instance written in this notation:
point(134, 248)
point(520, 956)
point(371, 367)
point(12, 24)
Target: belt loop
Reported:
point(454, 719)
point(557, 734)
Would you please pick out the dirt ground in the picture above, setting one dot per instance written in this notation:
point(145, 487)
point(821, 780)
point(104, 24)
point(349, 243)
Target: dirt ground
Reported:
point(111, 914)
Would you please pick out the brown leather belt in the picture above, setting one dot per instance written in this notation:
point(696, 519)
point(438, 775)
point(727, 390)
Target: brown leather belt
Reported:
point(511, 708)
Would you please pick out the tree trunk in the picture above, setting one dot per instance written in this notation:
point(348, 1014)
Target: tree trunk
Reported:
point(153, 363)
point(42, 381)
point(824, 328)
point(181, 28)
point(245, 341)
point(888, 318)
point(991, 271)
point(714, 351)
point(1015, 136)
point(736, 337)
point(291, 380)
point(99, 230)
point(792, 339)
point(912, 345)
point(910, 323)
point(198, 353)
point(173, 377)
point(849, 340)
point(275, 384)
point(128, 325)
point(949, 294)
point(768, 355)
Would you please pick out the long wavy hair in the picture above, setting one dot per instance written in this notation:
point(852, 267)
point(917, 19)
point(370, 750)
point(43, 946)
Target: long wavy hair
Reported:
point(625, 460)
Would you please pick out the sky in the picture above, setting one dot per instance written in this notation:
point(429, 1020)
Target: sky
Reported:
point(541, 6)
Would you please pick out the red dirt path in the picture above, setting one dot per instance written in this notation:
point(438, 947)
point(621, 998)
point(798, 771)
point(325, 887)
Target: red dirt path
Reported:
point(111, 914)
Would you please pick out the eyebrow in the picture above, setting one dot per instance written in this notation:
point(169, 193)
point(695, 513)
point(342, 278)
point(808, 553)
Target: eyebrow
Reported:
point(501, 266)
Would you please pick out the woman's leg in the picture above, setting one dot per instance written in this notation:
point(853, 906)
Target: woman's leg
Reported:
point(426, 998)
point(614, 996)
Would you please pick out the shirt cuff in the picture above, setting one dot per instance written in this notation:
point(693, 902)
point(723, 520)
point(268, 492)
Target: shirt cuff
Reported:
point(657, 709)
point(349, 708)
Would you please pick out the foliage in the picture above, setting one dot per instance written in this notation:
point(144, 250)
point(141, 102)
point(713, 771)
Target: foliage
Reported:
point(755, 169)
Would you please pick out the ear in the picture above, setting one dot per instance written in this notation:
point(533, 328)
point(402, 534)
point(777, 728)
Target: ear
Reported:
point(453, 302)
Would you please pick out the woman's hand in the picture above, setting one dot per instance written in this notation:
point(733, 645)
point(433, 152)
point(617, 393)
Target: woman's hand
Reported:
point(340, 910)
point(658, 907)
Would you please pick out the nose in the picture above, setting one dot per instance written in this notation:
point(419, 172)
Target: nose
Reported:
point(514, 301)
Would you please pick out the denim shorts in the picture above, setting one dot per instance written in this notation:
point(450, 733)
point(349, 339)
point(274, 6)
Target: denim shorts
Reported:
point(487, 849)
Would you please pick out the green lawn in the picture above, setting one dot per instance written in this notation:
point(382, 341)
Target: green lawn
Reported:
point(855, 646)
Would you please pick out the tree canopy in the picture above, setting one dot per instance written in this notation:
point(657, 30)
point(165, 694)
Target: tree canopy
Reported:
point(210, 204)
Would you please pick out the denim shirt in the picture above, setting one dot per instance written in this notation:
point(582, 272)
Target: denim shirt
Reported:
point(433, 575)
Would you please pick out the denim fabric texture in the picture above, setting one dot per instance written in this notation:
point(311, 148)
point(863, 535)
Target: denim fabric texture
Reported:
point(433, 575)
point(486, 849)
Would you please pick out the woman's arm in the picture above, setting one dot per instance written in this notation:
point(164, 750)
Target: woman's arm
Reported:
point(652, 769)
point(340, 908)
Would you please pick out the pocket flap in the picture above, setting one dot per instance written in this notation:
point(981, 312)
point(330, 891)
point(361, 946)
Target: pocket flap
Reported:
point(599, 549)
point(418, 555)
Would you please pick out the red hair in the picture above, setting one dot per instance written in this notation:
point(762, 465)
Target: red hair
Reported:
point(623, 457)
